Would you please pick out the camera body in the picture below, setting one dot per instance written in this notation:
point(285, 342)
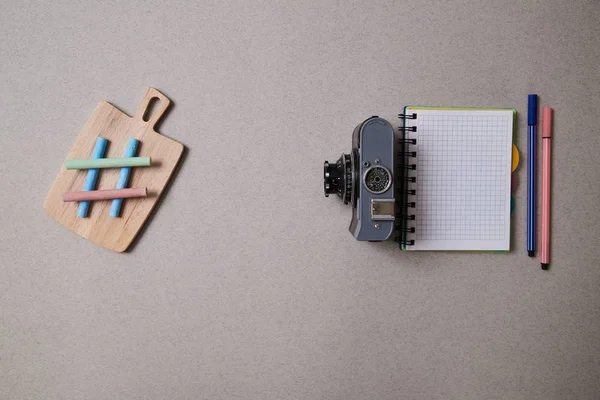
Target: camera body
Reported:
point(365, 179)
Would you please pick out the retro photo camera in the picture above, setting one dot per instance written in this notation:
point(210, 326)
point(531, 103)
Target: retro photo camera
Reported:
point(364, 178)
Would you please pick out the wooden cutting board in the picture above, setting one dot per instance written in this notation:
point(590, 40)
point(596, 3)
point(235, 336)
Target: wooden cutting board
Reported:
point(110, 123)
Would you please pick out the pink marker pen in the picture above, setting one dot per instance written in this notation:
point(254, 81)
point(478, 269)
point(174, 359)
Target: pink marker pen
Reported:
point(546, 151)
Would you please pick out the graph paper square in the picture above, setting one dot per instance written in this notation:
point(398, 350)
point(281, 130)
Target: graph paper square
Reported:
point(463, 179)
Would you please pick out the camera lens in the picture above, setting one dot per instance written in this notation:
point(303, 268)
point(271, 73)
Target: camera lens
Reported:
point(338, 178)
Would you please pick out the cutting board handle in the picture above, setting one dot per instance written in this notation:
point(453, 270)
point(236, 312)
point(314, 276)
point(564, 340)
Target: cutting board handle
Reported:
point(152, 107)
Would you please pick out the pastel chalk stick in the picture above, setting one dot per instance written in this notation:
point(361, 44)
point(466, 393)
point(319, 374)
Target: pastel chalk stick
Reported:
point(104, 194)
point(130, 150)
point(108, 163)
point(92, 176)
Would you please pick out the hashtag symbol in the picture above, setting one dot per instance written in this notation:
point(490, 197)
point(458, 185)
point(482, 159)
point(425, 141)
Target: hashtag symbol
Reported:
point(94, 165)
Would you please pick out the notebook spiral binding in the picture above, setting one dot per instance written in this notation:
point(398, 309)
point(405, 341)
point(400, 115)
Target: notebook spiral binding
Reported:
point(407, 181)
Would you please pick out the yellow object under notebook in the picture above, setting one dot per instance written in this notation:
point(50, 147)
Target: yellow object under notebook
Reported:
point(458, 197)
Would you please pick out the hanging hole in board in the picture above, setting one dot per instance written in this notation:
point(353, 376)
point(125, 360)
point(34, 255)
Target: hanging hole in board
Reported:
point(152, 105)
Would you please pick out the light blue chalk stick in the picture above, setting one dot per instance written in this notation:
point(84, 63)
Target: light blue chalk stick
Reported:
point(92, 176)
point(130, 151)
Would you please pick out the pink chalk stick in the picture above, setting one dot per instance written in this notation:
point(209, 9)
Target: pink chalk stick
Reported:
point(105, 194)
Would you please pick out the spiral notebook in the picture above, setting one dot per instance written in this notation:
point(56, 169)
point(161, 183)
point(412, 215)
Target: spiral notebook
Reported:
point(456, 178)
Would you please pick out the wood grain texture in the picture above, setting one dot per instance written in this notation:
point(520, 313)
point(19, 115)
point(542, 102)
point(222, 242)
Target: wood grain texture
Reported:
point(109, 122)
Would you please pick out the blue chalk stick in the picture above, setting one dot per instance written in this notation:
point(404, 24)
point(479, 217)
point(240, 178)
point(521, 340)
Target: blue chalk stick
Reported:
point(92, 176)
point(130, 151)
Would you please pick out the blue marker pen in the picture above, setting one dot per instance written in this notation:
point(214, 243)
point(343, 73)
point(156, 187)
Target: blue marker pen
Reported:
point(531, 181)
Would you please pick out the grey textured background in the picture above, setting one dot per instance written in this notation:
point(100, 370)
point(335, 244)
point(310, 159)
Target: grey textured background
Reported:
point(246, 283)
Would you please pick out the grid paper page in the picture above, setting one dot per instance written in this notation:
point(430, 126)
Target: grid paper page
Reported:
point(463, 179)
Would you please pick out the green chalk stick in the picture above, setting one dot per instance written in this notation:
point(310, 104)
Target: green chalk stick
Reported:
point(108, 163)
